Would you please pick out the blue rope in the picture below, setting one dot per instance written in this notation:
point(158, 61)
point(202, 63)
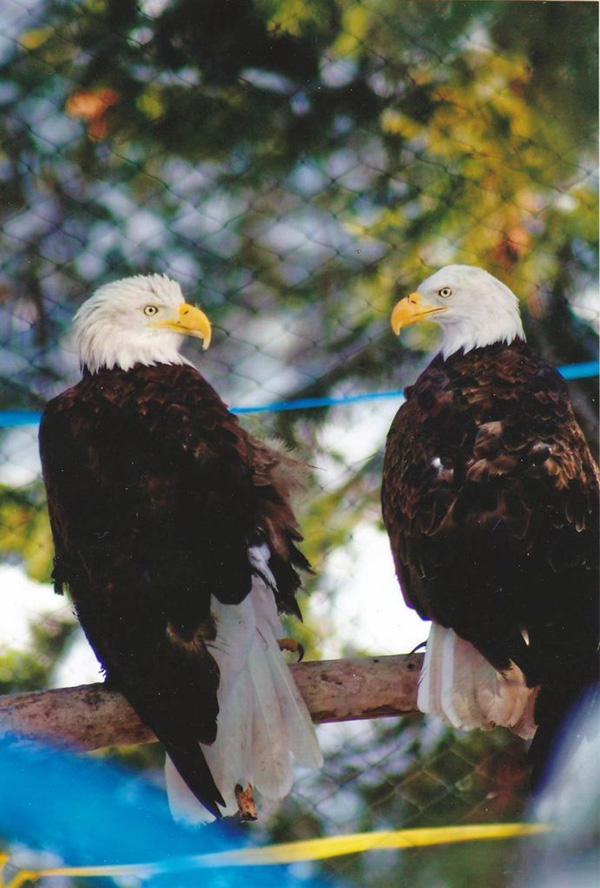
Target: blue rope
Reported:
point(308, 403)
point(579, 371)
point(17, 418)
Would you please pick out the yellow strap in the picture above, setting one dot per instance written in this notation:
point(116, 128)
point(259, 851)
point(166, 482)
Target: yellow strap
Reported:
point(309, 849)
point(23, 876)
point(335, 846)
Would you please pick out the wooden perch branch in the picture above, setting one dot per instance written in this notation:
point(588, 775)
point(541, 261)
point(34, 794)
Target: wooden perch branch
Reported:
point(91, 717)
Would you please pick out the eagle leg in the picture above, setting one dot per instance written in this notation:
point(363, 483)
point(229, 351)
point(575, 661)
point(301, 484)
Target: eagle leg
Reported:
point(290, 644)
point(247, 810)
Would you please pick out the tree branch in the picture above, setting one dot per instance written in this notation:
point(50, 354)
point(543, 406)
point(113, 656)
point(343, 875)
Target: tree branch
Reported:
point(91, 717)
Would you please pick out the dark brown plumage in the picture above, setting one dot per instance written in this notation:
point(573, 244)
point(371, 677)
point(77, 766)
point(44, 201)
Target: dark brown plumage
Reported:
point(155, 495)
point(490, 499)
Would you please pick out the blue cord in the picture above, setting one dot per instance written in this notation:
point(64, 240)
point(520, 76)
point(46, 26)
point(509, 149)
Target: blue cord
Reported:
point(17, 418)
point(579, 371)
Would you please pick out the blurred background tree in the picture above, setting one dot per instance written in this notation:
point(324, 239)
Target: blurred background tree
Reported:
point(297, 166)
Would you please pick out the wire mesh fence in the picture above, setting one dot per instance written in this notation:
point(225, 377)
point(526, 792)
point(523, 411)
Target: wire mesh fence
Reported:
point(296, 166)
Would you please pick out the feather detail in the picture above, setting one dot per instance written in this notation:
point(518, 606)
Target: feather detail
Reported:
point(303, 742)
point(460, 686)
point(263, 721)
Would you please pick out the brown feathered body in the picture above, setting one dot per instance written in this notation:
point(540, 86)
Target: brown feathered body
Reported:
point(170, 522)
point(490, 499)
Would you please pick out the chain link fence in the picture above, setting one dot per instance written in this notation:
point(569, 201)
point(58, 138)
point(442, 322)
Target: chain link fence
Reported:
point(296, 166)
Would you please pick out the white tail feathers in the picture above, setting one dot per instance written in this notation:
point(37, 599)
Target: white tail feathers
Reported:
point(459, 685)
point(263, 721)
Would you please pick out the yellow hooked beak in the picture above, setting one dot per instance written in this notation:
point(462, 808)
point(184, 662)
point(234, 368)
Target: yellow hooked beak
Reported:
point(411, 310)
point(190, 322)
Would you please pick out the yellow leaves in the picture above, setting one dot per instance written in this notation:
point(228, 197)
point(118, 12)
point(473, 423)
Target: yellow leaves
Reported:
point(290, 16)
point(477, 168)
point(39, 550)
point(97, 7)
point(25, 531)
point(399, 124)
point(34, 38)
point(355, 27)
point(377, 225)
point(151, 105)
point(476, 111)
point(92, 106)
point(14, 520)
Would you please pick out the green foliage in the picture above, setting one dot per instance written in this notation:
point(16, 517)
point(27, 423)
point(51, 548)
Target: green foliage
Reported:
point(29, 670)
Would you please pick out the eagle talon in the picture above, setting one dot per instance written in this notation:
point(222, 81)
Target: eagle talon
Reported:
point(247, 810)
point(421, 644)
point(290, 644)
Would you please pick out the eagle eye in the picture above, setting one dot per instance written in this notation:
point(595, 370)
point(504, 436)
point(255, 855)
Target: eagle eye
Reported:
point(150, 310)
point(445, 292)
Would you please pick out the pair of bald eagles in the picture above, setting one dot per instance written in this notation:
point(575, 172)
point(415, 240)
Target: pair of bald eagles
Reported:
point(175, 535)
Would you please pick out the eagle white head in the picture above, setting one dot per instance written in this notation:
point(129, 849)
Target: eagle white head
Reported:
point(139, 320)
point(472, 307)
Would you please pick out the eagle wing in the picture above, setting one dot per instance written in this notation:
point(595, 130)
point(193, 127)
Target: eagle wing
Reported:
point(278, 479)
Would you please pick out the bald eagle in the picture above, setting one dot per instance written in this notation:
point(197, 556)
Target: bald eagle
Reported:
point(174, 533)
point(490, 500)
